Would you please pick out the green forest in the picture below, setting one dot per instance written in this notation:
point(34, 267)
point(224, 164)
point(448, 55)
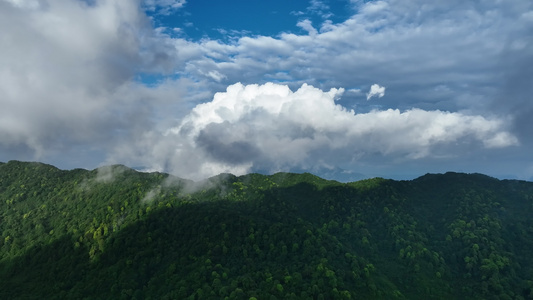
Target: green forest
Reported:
point(115, 233)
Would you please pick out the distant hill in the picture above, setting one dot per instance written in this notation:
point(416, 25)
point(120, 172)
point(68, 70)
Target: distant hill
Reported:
point(115, 233)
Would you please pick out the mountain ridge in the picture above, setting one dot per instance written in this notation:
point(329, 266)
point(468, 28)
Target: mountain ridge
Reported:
point(277, 174)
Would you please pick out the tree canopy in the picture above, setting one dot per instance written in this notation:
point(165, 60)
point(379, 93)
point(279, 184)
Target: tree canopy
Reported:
point(117, 233)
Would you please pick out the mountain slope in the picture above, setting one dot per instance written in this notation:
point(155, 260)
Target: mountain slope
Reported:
point(117, 233)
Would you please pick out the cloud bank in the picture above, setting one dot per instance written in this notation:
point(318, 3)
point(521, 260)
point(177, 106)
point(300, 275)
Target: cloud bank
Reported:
point(84, 83)
point(67, 83)
point(271, 128)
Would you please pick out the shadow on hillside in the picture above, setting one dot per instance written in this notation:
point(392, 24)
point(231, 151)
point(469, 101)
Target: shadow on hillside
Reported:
point(182, 246)
point(163, 248)
point(131, 256)
point(43, 272)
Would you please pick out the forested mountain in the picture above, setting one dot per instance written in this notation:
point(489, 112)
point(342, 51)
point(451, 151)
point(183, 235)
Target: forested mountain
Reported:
point(114, 233)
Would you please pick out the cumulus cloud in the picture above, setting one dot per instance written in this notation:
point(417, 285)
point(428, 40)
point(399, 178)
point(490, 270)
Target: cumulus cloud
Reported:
point(66, 82)
point(375, 90)
point(269, 127)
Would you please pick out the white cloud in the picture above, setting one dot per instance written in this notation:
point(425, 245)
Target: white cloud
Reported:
point(354, 91)
point(307, 26)
point(66, 76)
point(164, 7)
point(375, 90)
point(27, 4)
point(374, 7)
point(269, 127)
point(411, 46)
point(320, 8)
point(216, 75)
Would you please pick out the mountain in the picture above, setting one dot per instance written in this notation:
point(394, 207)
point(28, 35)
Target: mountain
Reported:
point(334, 173)
point(115, 233)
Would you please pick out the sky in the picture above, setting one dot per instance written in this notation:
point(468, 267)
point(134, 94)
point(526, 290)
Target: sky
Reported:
point(344, 89)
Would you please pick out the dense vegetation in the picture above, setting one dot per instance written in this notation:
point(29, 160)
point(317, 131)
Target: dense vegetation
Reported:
point(114, 233)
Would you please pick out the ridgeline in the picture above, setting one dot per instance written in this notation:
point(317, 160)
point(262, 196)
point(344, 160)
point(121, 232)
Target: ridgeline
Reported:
point(115, 233)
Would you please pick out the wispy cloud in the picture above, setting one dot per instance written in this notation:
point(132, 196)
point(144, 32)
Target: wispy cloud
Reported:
point(316, 7)
point(320, 8)
point(164, 7)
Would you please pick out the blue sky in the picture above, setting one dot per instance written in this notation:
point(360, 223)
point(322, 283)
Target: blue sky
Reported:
point(205, 19)
point(211, 19)
point(339, 88)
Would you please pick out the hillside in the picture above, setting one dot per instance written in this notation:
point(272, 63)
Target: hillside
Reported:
point(115, 233)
